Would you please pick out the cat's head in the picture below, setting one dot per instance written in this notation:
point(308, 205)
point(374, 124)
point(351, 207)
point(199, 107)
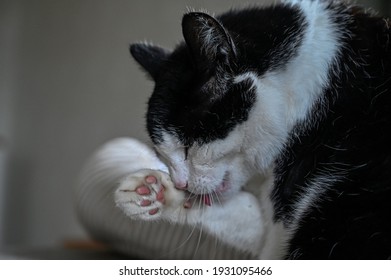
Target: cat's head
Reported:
point(198, 111)
point(227, 99)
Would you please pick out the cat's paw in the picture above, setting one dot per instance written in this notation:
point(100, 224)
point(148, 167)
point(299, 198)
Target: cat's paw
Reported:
point(149, 195)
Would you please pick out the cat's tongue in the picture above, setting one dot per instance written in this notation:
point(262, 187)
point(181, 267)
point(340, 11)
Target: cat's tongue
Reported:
point(206, 199)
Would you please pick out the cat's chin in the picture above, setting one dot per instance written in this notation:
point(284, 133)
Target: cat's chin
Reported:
point(216, 195)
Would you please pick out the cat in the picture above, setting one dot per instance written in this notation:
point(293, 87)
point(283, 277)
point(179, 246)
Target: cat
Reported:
point(270, 126)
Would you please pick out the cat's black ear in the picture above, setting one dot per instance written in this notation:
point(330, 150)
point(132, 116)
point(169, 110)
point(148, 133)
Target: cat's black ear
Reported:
point(149, 57)
point(207, 39)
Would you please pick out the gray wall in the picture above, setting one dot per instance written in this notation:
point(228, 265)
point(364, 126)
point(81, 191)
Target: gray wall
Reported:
point(67, 85)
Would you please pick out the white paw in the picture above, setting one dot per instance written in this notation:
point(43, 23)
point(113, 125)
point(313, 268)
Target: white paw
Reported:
point(149, 195)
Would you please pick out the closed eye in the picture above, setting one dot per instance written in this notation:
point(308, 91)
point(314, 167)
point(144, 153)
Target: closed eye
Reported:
point(171, 156)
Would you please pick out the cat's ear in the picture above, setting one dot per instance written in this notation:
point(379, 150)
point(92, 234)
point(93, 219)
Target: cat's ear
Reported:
point(207, 39)
point(150, 57)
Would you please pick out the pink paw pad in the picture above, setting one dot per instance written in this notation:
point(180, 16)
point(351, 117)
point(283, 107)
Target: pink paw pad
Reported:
point(145, 203)
point(160, 195)
point(151, 180)
point(145, 190)
point(153, 211)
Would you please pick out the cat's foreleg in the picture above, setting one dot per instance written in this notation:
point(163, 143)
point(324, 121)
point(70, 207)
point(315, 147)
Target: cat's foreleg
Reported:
point(150, 195)
point(237, 221)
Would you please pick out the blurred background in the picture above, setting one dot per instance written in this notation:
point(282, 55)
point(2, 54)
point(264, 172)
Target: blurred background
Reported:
point(67, 85)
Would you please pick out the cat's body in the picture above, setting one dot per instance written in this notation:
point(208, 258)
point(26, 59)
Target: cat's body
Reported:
point(298, 93)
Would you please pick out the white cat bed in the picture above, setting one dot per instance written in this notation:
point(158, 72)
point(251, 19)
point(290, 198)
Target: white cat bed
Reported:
point(150, 240)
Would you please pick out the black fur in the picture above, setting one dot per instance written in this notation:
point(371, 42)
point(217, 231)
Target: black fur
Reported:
point(346, 137)
point(187, 102)
point(352, 220)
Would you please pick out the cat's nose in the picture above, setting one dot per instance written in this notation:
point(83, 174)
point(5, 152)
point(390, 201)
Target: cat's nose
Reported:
point(181, 185)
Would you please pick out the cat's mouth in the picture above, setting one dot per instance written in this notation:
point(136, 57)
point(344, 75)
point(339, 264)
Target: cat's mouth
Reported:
point(209, 197)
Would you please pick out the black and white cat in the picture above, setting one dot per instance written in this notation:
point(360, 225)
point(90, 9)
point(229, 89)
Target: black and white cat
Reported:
point(297, 93)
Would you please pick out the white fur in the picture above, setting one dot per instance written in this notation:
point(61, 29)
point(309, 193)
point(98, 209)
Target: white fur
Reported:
point(284, 98)
point(230, 226)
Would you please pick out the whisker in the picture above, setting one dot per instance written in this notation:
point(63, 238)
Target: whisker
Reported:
point(201, 208)
point(184, 242)
point(187, 238)
point(216, 195)
point(215, 199)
